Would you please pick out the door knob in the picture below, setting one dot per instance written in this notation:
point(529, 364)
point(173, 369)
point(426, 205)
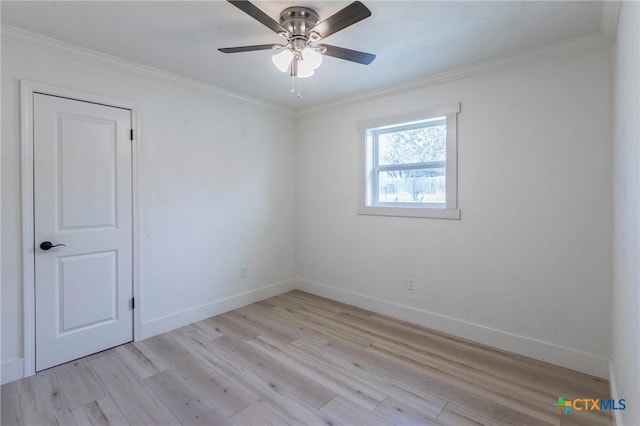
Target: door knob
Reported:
point(48, 246)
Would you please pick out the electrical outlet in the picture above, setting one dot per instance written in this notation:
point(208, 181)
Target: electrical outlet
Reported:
point(244, 271)
point(411, 283)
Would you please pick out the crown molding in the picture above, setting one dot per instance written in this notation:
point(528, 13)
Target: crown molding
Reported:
point(605, 36)
point(578, 44)
point(609, 18)
point(41, 42)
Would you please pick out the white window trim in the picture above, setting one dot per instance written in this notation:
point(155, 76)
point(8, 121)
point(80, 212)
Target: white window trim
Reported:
point(365, 205)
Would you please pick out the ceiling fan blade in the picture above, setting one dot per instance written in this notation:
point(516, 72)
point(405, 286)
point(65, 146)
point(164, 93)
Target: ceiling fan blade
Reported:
point(257, 14)
point(250, 48)
point(347, 54)
point(351, 14)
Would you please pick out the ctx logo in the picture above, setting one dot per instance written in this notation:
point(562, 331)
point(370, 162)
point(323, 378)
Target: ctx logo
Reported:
point(589, 404)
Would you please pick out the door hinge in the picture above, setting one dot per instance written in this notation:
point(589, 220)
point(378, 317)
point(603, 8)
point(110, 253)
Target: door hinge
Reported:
point(131, 134)
point(133, 303)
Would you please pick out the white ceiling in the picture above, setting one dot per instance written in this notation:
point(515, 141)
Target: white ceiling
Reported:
point(412, 39)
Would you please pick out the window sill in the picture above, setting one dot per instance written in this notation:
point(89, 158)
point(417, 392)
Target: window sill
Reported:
point(422, 212)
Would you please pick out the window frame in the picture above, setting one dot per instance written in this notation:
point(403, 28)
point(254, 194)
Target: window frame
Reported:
point(369, 168)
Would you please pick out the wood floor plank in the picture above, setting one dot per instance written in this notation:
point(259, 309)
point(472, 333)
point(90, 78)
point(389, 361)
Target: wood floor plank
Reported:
point(292, 300)
point(11, 412)
point(230, 397)
point(142, 360)
point(563, 379)
point(279, 397)
point(231, 329)
point(489, 358)
point(474, 378)
point(100, 354)
point(243, 390)
point(326, 304)
point(166, 348)
point(79, 383)
point(261, 313)
point(501, 394)
point(280, 373)
point(495, 361)
point(457, 415)
point(405, 377)
point(260, 327)
point(504, 416)
point(137, 403)
point(186, 403)
point(297, 359)
point(303, 318)
point(425, 402)
point(259, 414)
point(197, 347)
point(103, 412)
point(401, 414)
point(42, 400)
point(349, 413)
point(342, 384)
point(203, 329)
point(393, 333)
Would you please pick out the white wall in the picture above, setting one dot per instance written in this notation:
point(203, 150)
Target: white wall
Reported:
point(528, 267)
point(626, 189)
point(216, 189)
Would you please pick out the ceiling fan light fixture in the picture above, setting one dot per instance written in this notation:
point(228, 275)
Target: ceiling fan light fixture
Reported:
point(282, 60)
point(305, 69)
point(312, 58)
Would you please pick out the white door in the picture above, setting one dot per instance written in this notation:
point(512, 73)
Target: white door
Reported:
point(82, 199)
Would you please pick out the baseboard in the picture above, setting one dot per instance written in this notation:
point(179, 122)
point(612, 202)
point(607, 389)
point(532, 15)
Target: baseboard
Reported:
point(12, 370)
point(617, 414)
point(555, 354)
point(544, 351)
point(189, 316)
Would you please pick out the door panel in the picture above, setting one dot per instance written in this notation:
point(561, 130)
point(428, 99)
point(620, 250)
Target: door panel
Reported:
point(82, 199)
point(99, 301)
point(89, 202)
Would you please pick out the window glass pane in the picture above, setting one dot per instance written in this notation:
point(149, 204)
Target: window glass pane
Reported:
point(412, 186)
point(413, 146)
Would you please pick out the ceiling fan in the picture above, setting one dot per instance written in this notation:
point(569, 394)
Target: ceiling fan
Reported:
point(301, 28)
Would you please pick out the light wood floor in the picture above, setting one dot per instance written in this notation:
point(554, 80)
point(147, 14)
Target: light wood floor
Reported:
point(301, 359)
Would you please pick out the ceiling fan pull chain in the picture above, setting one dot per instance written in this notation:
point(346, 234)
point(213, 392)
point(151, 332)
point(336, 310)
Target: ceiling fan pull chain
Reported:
point(299, 88)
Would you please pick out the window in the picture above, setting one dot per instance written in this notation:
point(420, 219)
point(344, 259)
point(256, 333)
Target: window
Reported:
point(409, 165)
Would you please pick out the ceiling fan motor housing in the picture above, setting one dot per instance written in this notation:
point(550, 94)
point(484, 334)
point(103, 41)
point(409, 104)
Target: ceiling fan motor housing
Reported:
point(298, 21)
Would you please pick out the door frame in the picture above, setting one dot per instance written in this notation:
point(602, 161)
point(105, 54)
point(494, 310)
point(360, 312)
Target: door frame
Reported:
point(27, 90)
